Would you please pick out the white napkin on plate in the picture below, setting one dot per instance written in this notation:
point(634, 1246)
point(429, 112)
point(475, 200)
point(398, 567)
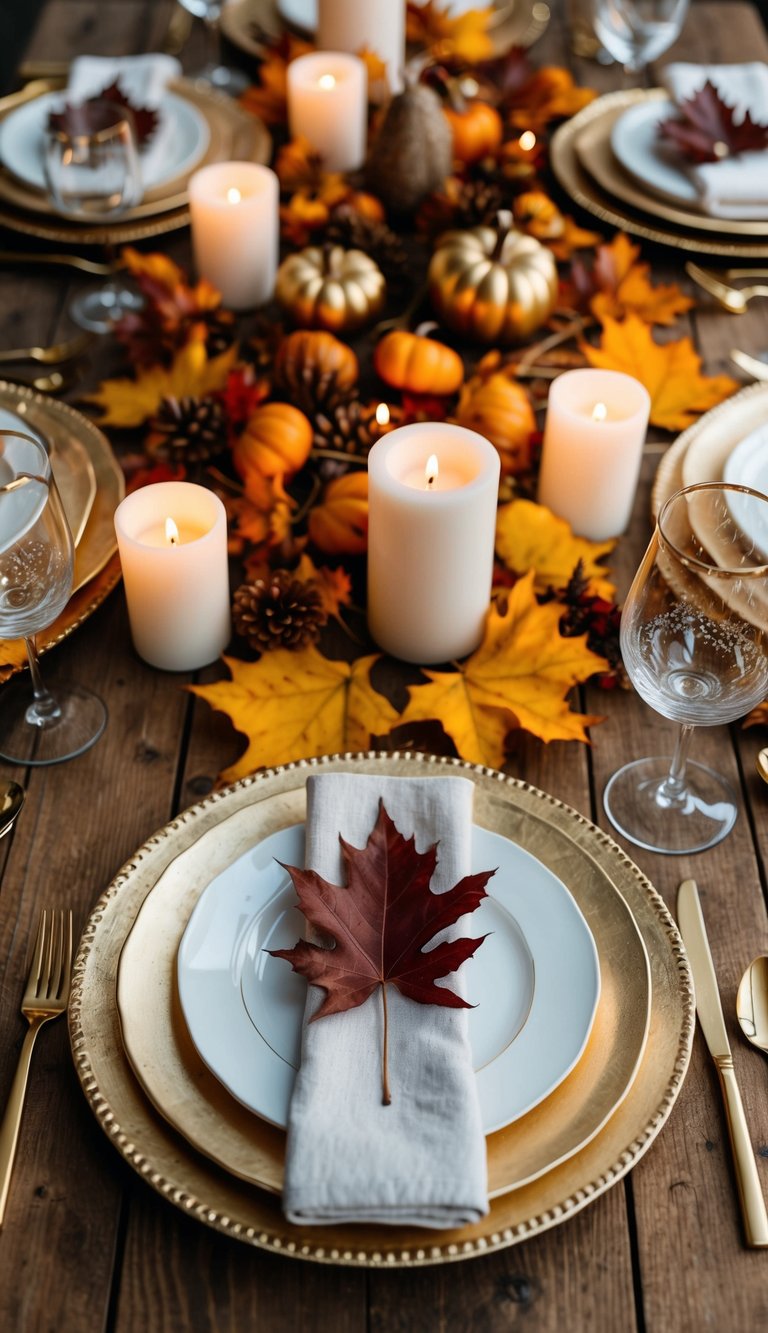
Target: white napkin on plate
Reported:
point(421, 1160)
point(736, 187)
point(144, 80)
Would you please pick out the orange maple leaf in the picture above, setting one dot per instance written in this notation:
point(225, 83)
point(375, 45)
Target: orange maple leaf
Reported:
point(671, 373)
point(550, 94)
point(267, 96)
point(464, 36)
point(539, 216)
point(334, 585)
point(624, 287)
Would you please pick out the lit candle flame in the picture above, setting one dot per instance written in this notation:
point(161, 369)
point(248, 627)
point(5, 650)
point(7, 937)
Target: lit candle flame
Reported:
point(382, 415)
point(171, 532)
point(527, 141)
point(431, 470)
point(599, 412)
point(326, 81)
point(233, 196)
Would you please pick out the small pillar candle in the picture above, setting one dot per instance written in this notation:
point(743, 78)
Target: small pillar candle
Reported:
point(172, 539)
point(593, 444)
point(328, 105)
point(233, 209)
point(366, 25)
point(432, 495)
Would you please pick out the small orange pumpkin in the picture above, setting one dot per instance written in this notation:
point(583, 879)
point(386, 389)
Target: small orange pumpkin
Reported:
point(339, 525)
point(275, 442)
point(418, 364)
point(501, 410)
point(312, 355)
point(477, 130)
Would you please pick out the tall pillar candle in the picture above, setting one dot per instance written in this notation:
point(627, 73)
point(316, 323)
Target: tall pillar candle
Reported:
point(593, 444)
point(234, 216)
point(432, 495)
point(370, 25)
point(172, 539)
point(328, 105)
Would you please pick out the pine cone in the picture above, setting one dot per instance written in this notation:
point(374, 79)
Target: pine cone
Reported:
point(279, 611)
point(189, 430)
point(353, 231)
point(478, 203)
point(348, 427)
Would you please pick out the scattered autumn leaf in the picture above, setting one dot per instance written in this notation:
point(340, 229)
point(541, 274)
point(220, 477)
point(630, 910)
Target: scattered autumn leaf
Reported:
point(334, 585)
point(381, 922)
point(292, 706)
point(550, 94)
point(671, 373)
point(267, 96)
point(623, 287)
point(130, 402)
point(538, 215)
point(463, 36)
point(519, 676)
point(173, 311)
point(705, 131)
point(530, 537)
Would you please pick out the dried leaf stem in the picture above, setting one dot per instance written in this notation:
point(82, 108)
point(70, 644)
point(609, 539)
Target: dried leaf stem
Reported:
point(386, 1095)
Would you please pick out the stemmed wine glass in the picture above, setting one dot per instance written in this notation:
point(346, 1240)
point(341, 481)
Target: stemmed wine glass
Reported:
point(635, 32)
point(694, 638)
point(36, 573)
point(93, 174)
point(221, 77)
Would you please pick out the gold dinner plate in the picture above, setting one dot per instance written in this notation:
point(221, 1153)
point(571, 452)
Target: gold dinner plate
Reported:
point(97, 568)
point(183, 1090)
point(572, 847)
point(644, 215)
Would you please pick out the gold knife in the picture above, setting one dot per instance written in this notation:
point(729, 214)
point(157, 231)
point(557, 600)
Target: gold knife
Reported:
point(691, 922)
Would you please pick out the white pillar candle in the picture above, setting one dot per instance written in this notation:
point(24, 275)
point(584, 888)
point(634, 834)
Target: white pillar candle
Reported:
point(432, 495)
point(234, 215)
point(328, 105)
point(370, 25)
point(176, 584)
point(593, 444)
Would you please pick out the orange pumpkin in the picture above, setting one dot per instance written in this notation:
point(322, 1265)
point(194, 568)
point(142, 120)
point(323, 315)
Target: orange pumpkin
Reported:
point(501, 410)
point(339, 525)
point(275, 442)
point(312, 355)
point(418, 364)
point(477, 130)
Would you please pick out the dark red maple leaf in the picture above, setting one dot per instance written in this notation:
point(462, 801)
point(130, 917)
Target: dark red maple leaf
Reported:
point(86, 119)
point(705, 130)
point(380, 923)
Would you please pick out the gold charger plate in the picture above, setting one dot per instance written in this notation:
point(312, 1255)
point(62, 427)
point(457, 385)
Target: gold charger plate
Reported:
point(647, 223)
point(700, 453)
point(183, 1090)
point(564, 841)
point(97, 568)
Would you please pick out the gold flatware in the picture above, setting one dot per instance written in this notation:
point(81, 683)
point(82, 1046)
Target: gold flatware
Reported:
point(11, 800)
point(709, 1010)
point(733, 299)
point(761, 763)
point(752, 1003)
point(757, 369)
point(24, 257)
point(45, 998)
point(53, 383)
point(50, 356)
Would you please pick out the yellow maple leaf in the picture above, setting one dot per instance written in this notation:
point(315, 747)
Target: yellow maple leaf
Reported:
point(671, 373)
point(549, 94)
point(625, 287)
point(295, 705)
point(464, 36)
point(530, 537)
point(519, 676)
point(130, 402)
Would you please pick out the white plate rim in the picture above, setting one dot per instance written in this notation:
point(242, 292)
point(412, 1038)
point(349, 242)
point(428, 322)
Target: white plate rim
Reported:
point(633, 145)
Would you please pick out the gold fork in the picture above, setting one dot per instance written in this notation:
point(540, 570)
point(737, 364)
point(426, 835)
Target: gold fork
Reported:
point(45, 997)
point(732, 299)
point(50, 356)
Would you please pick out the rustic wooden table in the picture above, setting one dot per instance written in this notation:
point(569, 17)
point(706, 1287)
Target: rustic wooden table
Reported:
point(86, 1244)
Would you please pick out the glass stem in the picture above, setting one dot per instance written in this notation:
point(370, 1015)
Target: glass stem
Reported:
point(673, 787)
point(44, 710)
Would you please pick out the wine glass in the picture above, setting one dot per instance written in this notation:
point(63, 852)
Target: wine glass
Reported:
point(694, 638)
point(221, 77)
point(36, 572)
point(93, 174)
point(635, 32)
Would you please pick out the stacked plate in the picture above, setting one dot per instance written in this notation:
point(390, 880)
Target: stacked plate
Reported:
point(200, 126)
point(189, 1065)
point(611, 162)
point(91, 484)
point(729, 443)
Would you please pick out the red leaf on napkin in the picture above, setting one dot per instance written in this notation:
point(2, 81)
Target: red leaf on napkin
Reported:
point(85, 119)
point(705, 130)
point(380, 923)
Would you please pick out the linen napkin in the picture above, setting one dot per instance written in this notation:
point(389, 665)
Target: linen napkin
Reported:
point(144, 80)
point(737, 187)
point(421, 1160)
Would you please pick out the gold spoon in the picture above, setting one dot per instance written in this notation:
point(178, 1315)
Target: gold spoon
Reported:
point(11, 801)
point(762, 763)
point(752, 1003)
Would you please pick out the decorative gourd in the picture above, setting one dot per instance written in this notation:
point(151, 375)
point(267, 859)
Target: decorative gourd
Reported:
point(312, 355)
point(327, 287)
point(493, 285)
point(417, 364)
point(501, 410)
point(411, 153)
point(476, 127)
point(275, 442)
point(339, 525)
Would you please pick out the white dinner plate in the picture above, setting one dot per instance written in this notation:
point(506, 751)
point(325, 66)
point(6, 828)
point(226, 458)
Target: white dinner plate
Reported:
point(72, 470)
point(656, 165)
point(535, 982)
point(747, 465)
point(22, 131)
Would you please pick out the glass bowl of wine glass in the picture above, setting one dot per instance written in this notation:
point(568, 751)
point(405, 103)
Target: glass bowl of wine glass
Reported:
point(636, 32)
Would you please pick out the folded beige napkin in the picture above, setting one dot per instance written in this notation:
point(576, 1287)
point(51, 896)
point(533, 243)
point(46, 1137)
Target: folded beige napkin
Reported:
point(421, 1160)
point(737, 187)
point(144, 80)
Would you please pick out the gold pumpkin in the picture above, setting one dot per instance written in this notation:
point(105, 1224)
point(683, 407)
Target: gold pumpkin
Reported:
point(492, 284)
point(328, 287)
